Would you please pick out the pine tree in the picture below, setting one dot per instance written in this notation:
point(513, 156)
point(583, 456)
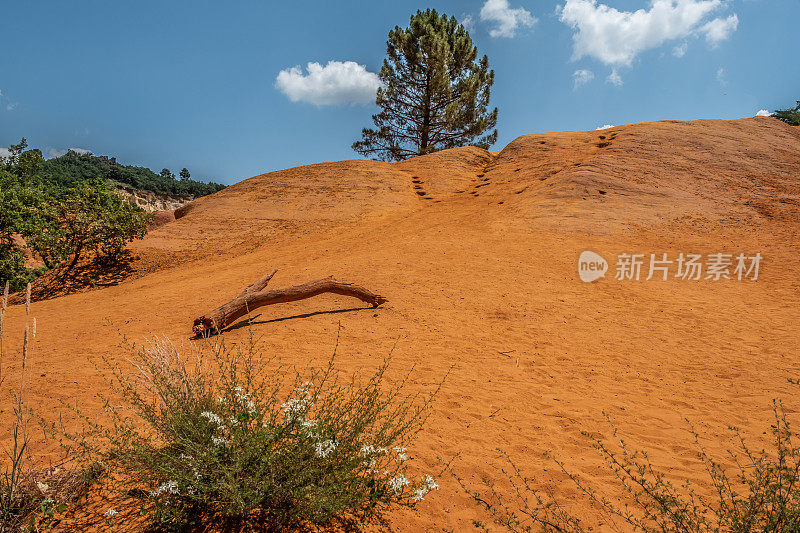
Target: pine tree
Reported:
point(789, 116)
point(435, 92)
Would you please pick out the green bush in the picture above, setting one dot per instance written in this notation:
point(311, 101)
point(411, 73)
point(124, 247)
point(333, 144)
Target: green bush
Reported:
point(759, 493)
point(20, 192)
point(88, 218)
point(60, 225)
point(255, 443)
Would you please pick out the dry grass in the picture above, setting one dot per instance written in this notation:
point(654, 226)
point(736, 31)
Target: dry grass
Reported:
point(30, 496)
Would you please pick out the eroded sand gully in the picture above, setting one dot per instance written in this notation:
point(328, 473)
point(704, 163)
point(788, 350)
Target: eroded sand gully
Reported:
point(480, 273)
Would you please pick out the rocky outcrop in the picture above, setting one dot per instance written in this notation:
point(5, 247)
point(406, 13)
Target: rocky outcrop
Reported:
point(154, 202)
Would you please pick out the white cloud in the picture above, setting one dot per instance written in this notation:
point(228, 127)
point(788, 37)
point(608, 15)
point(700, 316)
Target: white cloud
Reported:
point(507, 20)
point(763, 113)
point(51, 152)
point(720, 29)
point(614, 78)
point(581, 77)
point(680, 50)
point(604, 127)
point(617, 37)
point(468, 21)
point(334, 84)
point(721, 75)
point(10, 106)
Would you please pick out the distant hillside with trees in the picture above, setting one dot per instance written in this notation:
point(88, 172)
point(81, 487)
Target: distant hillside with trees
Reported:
point(47, 223)
point(72, 168)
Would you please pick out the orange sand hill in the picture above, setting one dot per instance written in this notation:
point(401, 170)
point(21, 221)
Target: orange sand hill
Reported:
point(476, 252)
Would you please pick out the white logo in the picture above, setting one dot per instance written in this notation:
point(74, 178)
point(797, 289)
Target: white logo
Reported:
point(591, 266)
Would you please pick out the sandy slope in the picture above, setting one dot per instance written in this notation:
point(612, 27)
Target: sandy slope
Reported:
point(477, 254)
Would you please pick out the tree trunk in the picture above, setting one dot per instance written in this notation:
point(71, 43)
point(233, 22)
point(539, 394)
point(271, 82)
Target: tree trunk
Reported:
point(426, 118)
point(255, 296)
point(74, 259)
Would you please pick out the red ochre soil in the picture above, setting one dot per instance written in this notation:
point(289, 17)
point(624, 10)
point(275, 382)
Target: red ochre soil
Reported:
point(477, 253)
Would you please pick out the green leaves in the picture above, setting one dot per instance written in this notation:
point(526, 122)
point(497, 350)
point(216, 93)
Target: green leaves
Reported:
point(90, 217)
point(435, 94)
point(238, 436)
point(789, 116)
point(43, 220)
point(72, 168)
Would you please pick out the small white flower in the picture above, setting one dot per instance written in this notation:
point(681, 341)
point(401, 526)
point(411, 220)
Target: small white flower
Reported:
point(401, 454)
point(170, 487)
point(370, 453)
point(240, 394)
point(293, 408)
point(372, 450)
point(233, 422)
point(213, 417)
point(397, 483)
point(325, 448)
point(110, 512)
point(428, 484)
point(218, 441)
point(308, 429)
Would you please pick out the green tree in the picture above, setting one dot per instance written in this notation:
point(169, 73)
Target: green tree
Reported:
point(90, 217)
point(21, 192)
point(12, 258)
point(185, 174)
point(71, 168)
point(14, 152)
point(789, 116)
point(435, 92)
point(166, 174)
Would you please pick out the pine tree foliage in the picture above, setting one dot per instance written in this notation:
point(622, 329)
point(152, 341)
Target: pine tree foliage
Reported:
point(789, 116)
point(435, 92)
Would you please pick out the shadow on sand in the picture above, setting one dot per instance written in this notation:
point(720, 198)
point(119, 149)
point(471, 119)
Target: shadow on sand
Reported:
point(253, 321)
point(92, 273)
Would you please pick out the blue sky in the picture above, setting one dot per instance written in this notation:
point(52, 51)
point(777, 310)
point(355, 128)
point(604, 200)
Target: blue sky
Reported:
point(175, 83)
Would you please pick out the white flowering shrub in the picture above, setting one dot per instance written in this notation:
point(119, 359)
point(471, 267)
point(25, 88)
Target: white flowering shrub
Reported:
point(239, 437)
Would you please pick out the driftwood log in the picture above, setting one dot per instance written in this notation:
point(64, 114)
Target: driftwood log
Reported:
point(255, 296)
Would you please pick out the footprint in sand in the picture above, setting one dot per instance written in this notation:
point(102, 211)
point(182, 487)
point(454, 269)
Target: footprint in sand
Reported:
point(417, 186)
